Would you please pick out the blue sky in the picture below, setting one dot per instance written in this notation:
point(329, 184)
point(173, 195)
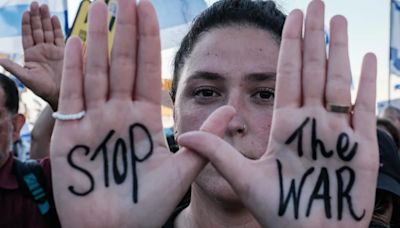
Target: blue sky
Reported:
point(368, 31)
point(368, 25)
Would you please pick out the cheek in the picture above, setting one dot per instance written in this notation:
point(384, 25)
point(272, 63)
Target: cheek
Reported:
point(261, 128)
point(191, 117)
point(4, 133)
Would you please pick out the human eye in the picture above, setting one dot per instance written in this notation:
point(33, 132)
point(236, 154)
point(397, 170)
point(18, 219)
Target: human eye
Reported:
point(263, 95)
point(204, 94)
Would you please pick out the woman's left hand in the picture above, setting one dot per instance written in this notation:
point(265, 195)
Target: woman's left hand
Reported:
point(321, 164)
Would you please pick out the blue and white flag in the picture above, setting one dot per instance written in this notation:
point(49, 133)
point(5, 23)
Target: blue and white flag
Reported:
point(11, 12)
point(174, 17)
point(395, 38)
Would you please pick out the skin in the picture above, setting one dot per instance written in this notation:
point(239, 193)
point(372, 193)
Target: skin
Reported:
point(306, 84)
point(127, 90)
point(10, 127)
point(5, 130)
point(43, 44)
point(129, 84)
point(244, 79)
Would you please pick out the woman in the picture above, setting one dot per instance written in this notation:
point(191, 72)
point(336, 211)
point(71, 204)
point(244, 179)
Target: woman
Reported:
point(294, 157)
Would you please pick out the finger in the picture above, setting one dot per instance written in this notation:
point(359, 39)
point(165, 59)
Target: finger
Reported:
point(218, 121)
point(364, 110)
point(96, 78)
point(58, 34)
point(188, 163)
point(338, 83)
point(314, 56)
point(184, 166)
point(289, 64)
point(223, 156)
point(216, 149)
point(46, 23)
point(27, 36)
point(148, 80)
point(71, 94)
point(16, 70)
point(123, 54)
point(36, 24)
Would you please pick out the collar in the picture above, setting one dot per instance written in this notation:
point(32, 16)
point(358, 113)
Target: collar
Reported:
point(7, 178)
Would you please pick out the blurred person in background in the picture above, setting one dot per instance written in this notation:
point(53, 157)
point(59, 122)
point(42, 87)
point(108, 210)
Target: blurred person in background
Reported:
point(388, 127)
point(387, 200)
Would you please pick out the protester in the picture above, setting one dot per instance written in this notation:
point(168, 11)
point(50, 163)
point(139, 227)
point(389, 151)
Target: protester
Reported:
point(43, 44)
point(26, 197)
point(388, 127)
point(387, 201)
point(393, 114)
point(309, 161)
point(25, 190)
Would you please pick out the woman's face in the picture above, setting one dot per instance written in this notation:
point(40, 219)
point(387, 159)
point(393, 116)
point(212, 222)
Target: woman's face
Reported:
point(234, 65)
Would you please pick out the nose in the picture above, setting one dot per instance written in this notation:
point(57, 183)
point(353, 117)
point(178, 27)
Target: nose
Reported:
point(237, 126)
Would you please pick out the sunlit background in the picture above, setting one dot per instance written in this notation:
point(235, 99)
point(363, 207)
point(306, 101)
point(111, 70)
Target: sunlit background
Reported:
point(368, 23)
point(368, 20)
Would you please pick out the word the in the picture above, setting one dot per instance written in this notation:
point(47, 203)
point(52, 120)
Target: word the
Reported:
point(321, 190)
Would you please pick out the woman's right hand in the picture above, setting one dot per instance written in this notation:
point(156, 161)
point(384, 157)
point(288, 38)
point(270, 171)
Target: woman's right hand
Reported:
point(112, 167)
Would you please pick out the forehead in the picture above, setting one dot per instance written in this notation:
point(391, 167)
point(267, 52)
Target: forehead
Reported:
point(234, 50)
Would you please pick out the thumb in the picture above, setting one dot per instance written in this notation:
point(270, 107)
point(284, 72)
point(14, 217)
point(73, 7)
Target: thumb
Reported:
point(188, 163)
point(225, 158)
point(15, 69)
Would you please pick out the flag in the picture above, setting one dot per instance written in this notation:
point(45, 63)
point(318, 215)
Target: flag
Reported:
point(395, 38)
point(174, 17)
point(10, 21)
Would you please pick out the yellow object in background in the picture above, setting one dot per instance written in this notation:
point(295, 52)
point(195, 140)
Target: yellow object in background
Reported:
point(79, 28)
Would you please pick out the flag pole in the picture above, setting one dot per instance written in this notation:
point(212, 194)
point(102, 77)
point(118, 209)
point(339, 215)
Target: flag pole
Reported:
point(390, 42)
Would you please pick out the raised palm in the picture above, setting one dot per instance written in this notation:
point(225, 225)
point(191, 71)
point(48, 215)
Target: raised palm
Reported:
point(43, 43)
point(112, 168)
point(320, 167)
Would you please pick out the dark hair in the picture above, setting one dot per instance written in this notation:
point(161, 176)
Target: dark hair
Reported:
point(393, 131)
point(261, 14)
point(10, 93)
point(383, 199)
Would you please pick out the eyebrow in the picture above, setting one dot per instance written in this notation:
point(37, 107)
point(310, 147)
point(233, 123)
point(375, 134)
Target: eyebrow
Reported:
point(253, 77)
point(205, 75)
point(260, 77)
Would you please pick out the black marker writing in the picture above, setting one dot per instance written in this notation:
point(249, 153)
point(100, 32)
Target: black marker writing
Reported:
point(343, 145)
point(91, 180)
point(344, 193)
point(120, 151)
point(322, 188)
point(283, 203)
point(120, 147)
point(323, 181)
point(316, 143)
point(298, 133)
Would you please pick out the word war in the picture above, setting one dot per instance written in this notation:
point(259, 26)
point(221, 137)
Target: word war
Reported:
point(120, 152)
point(345, 176)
